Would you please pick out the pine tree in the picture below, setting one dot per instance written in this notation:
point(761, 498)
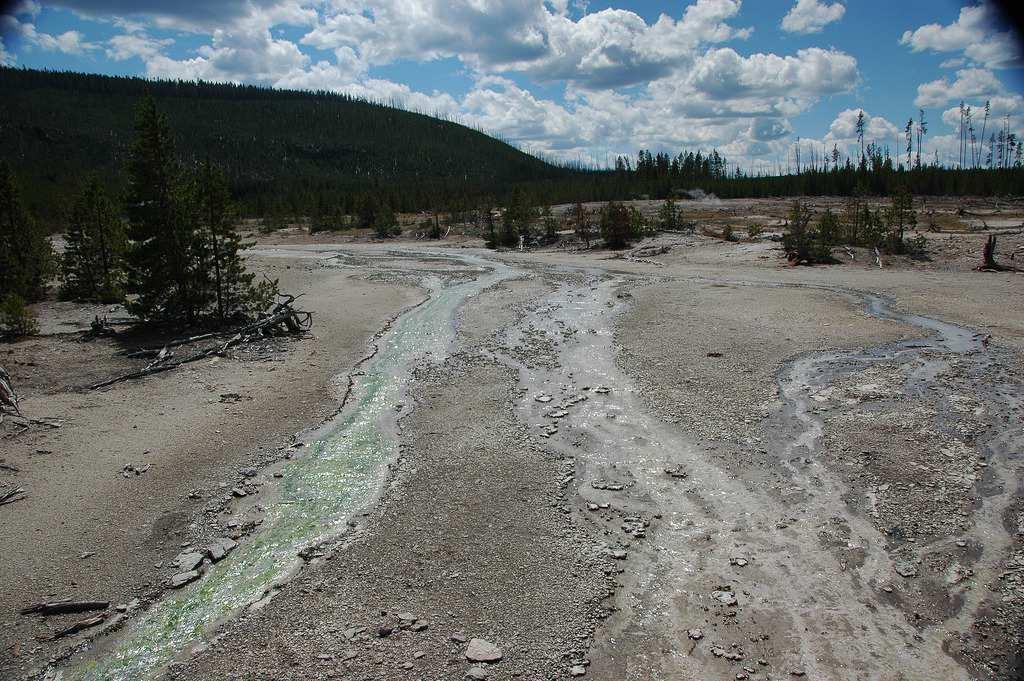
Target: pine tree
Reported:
point(668, 215)
point(26, 256)
point(221, 269)
point(616, 226)
point(161, 273)
point(92, 267)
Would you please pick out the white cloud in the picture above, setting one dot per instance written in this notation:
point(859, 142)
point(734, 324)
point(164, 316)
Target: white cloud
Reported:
point(69, 42)
point(877, 129)
point(976, 33)
point(129, 45)
point(610, 48)
point(811, 16)
point(969, 83)
point(6, 58)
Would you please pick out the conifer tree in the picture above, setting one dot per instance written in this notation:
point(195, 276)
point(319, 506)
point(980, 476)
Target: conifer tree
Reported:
point(222, 269)
point(26, 257)
point(161, 274)
point(616, 226)
point(92, 267)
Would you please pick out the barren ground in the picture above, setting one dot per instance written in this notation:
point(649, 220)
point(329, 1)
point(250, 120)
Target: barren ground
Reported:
point(689, 462)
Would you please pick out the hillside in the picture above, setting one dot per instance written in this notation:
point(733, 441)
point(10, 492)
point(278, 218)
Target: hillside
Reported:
point(289, 147)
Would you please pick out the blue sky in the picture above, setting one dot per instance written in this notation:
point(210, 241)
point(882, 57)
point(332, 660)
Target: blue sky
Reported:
point(573, 79)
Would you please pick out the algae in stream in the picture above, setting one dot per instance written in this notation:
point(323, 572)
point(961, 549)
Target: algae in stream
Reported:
point(339, 474)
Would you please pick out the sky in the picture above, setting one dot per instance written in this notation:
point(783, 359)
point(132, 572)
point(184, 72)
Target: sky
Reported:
point(578, 80)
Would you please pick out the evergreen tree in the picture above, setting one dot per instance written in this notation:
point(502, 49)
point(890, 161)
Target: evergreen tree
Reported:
point(26, 254)
point(550, 225)
point(92, 267)
point(581, 222)
point(668, 215)
point(161, 272)
point(384, 222)
point(616, 225)
point(219, 245)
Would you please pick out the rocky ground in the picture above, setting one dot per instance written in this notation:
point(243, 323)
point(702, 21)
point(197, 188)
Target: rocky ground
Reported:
point(689, 462)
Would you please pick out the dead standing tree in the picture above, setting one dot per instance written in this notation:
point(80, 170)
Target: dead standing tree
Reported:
point(282, 319)
point(988, 258)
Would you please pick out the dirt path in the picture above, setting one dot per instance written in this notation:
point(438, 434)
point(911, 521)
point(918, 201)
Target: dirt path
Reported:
point(583, 480)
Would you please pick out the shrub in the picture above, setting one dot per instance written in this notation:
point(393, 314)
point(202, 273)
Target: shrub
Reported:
point(616, 225)
point(16, 319)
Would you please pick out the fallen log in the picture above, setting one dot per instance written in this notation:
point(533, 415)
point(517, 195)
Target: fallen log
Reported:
point(16, 494)
point(79, 626)
point(283, 314)
point(8, 398)
point(63, 607)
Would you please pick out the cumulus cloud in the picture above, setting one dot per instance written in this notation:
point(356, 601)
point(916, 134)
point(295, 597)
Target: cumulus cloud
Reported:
point(876, 128)
point(969, 83)
point(976, 33)
point(130, 45)
point(610, 48)
point(665, 83)
point(811, 16)
point(6, 58)
point(69, 42)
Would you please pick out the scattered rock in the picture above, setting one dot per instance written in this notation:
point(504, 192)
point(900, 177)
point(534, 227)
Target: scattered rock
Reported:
point(238, 492)
point(695, 634)
point(220, 548)
point(480, 650)
point(739, 562)
point(182, 578)
point(477, 673)
point(578, 670)
point(189, 560)
point(458, 637)
point(905, 568)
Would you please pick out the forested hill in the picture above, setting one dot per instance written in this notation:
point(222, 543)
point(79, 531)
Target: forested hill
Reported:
point(286, 147)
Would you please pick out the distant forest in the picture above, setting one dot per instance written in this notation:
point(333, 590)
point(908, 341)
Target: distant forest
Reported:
point(300, 153)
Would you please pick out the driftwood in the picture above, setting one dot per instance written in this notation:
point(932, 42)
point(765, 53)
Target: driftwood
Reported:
point(16, 494)
point(878, 258)
point(283, 315)
point(988, 258)
point(64, 607)
point(8, 398)
point(79, 626)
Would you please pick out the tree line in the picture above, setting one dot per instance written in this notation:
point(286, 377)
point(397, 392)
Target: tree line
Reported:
point(330, 156)
point(168, 248)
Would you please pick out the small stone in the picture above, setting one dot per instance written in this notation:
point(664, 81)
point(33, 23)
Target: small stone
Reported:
point(798, 672)
point(238, 492)
point(248, 472)
point(458, 637)
point(384, 632)
point(543, 399)
point(739, 562)
point(578, 670)
point(406, 619)
point(407, 665)
point(480, 650)
point(182, 578)
point(419, 625)
point(695, 634)
point(724, 597)
point(476, 673)
point(418, 654)
point(617, 554)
